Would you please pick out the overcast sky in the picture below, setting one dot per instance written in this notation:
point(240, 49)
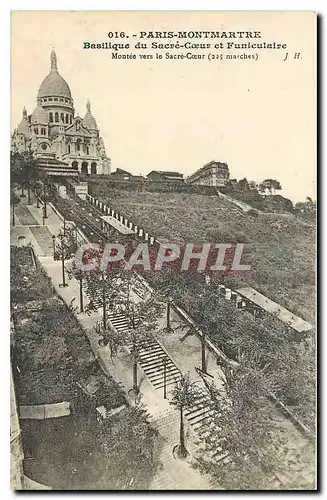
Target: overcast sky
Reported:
point(258, 116)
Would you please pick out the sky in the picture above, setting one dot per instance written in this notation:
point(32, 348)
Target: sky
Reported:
point(257, 116)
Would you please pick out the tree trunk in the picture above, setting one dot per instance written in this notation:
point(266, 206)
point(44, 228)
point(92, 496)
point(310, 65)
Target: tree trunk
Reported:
point(135, 387)
point(81, 295)
point(203, 352)
point(182, 448)
point(104, 307)
point(22, 193)
point(13, 214)
point(29, 194)
point(63, 268)
point(45, 202)
point(168, 315)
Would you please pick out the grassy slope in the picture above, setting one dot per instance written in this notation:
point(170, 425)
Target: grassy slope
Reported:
point(282, 248)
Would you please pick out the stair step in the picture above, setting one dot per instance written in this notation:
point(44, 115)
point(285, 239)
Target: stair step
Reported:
point(198, 404)
point(168, 383)
point(201, 422)
point(159, 368)
point(152, 356)
point(200, 416)
point(156, 348)
point(191, 415)
point(157, 375)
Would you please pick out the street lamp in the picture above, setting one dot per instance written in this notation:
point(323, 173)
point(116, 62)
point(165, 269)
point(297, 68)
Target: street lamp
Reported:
point(54, 246)
point(81, 293)
point(164, 360)
point(168, 328)
point(45, 215)
point(102, 278)
point(62, 249)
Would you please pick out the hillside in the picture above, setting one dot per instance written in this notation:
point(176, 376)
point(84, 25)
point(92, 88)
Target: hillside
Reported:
point(282, 249)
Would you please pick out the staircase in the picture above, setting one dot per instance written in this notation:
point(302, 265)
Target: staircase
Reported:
point(151, 356)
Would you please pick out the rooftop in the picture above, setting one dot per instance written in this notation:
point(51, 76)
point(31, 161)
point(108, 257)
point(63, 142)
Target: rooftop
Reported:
point(117, 225)
point(272, 307)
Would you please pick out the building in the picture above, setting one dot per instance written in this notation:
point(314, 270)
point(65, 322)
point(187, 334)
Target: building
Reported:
point(123, 175)
point(213, 173)
point(55, 134)
point(164, 176)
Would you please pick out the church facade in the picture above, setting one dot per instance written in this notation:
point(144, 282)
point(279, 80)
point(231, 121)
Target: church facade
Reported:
point(54, 133)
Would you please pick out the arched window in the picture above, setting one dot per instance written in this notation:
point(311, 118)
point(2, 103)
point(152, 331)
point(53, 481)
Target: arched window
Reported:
point(84, 168)
point(51, 117)
point(75, 165)
point(36, 130)
point(62, 117)
point(78, 144)
point(67, 118)
point(70, 119)
point(68, 148)
point(87, 150)
point(56, 117)
point(93, 168)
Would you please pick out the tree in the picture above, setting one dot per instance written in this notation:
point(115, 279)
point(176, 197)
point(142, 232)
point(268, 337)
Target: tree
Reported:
point(14, 201)
point(113, 291)
point(242, 450)
point(272, 185)
point(170, 284)
point(31, 173)
point(127, 441)
point(24, 171)
point(243, 184)
point(184, 395)
point(63, 251)
point(205, 317)
point(105, 290)
point(142, 319)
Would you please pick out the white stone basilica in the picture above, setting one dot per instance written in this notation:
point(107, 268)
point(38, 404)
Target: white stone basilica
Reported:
point(55, 135)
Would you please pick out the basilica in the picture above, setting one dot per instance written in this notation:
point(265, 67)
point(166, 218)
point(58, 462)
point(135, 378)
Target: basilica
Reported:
point(56, 135)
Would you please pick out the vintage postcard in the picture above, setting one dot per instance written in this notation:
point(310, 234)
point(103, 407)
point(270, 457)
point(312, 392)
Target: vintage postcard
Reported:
point(163, 228)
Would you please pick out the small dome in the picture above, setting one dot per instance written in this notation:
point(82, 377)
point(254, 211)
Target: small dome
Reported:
point(89, 120)
point(39, 115)
point(54, 84)
point(23, 127)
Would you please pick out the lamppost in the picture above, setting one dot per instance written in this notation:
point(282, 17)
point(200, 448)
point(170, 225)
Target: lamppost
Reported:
point(164, 360)
point(54, 246)
point(168, 328)
point(13, 212)
point(81, 293)
point(45, 215)
point(102, 278)
point(62, 250)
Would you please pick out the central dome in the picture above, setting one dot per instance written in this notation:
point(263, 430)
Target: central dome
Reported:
point(54, 84)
